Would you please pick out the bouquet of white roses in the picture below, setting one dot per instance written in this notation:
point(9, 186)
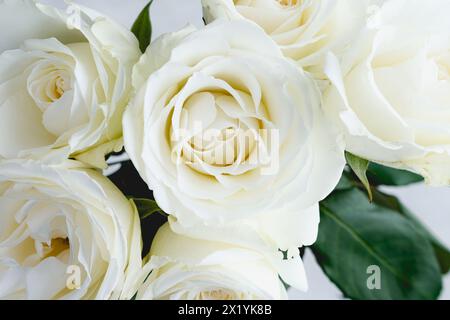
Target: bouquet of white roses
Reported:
point(203, 164)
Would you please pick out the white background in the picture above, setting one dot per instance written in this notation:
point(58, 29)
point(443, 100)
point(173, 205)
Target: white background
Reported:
point(432, 205)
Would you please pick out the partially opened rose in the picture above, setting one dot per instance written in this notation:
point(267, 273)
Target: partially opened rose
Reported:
point(64, 82)
point(224, 129)
point(65, 233)
point(391, 92)
point(304, 29)
point(184, 268)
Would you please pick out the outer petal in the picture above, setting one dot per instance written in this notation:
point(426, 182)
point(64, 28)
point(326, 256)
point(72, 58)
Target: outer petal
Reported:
point(30, 23)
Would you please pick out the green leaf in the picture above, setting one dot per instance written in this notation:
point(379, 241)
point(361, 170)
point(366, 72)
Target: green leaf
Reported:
point(146, 207)
point(355, 234)
point(441, 251)
point(381, 175)
point(442, 254)
point(142, 28)
point(359, 167)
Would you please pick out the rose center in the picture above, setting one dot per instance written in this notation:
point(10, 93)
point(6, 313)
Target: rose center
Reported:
point(48, 84)
point(289, 3)
point(443, 65)
point(57, 86)
point(219, 294)
point(217, 147)
point(55, 247)
point(60, 87)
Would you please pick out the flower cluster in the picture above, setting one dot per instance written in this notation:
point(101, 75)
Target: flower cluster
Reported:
point(239, 129)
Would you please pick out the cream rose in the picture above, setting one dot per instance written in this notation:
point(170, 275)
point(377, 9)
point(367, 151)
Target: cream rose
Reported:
point(65, 80)
point(391, 92)
point(228, 133)
point(184, 268)
point(65, 233)
point(304, 29)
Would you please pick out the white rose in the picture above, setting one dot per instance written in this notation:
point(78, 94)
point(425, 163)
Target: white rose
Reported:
point(231, 79)
point(184, 268)
point(391, 92)
point(304, 29)
point(65, 233)
point(65, 80)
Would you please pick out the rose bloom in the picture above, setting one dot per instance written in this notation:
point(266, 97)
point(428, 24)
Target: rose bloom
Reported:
point(64, 82)
point(188, 269)
point(391, 92)
point(304, 29)
point(65, 233)
point(229, 135)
